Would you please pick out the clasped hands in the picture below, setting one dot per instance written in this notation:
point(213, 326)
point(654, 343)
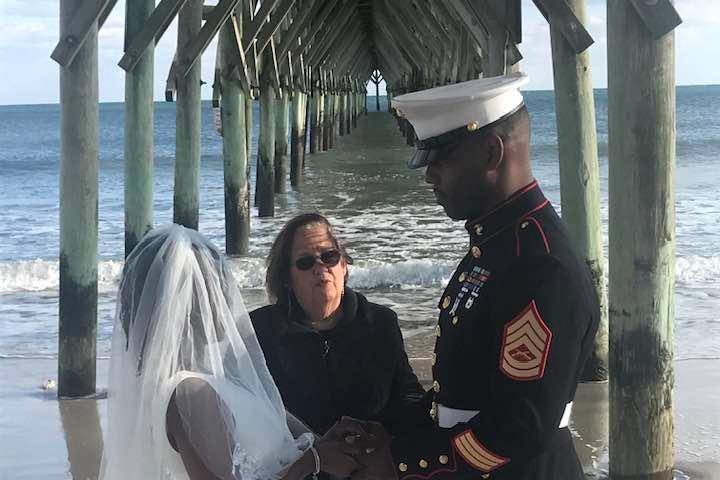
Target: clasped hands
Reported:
point(357, 449)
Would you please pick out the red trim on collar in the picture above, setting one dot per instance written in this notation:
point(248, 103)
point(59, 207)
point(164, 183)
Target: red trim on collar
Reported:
point(508, 200)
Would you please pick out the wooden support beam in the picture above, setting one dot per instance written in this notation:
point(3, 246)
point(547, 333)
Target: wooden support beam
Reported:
point(333, 9)
point(641, 156)
point(235, 149)
point(400, 36)
point(561, 16)
point(422, 54)
point(500, 34)
point(186, 197)
point(253, 27)
point(331, 35)
point(659, 16)
point(237, 59)
point(84, 18)
point(277, 16)
point(282, 134)
point(300, 23)
point(154, 28)
point(341, 47)
point(79, 167)
point(580, 174)
point(105, 13)
point(197, 46)
point(297, 138)
point(138, 141)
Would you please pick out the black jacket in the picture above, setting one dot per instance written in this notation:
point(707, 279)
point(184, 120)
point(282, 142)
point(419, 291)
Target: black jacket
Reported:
point(516, 325)
point(359, 368)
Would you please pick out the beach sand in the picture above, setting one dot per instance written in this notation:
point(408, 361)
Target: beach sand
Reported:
point(44, 438)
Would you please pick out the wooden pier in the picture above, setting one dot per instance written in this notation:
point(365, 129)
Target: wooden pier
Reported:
point(308, 62)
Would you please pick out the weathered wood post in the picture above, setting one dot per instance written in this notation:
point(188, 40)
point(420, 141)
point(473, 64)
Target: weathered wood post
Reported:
point(641, 128)
point(356, 103)
point(297, 147)
point(333, 101)
point(79, 163)
point(580, 172)
point(265, 183)
point(342, 106)
point(315, 120)
point(282, 133)
point(325, 113)
point(138, 151)
point(187, 119)
point(235, 152)
point(249, 125)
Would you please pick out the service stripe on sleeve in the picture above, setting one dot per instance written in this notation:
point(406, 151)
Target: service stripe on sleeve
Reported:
point(476, 454)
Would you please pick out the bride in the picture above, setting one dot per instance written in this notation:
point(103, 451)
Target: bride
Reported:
point(190, 396)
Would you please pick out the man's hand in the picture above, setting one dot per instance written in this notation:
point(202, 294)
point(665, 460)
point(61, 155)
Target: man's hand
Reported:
point(375, 459)
point(338, 457)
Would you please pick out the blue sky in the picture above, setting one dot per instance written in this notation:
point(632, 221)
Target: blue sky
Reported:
point(29, 32)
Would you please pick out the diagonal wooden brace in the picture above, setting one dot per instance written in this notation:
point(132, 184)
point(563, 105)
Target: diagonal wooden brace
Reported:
point(216, 18)
point(659, 16)
point(155, 26)
point(561, 16)
point(87, 14)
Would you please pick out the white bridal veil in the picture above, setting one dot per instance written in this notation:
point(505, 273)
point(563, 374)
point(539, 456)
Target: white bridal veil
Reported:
point(181, 325)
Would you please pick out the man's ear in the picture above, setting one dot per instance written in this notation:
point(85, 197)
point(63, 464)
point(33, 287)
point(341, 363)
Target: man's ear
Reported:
point(494, 151)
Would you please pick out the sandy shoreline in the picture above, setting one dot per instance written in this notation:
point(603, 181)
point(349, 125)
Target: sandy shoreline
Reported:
point(43, 438)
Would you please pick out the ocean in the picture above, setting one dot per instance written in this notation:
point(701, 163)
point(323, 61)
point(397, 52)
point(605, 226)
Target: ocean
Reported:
point(404, 247)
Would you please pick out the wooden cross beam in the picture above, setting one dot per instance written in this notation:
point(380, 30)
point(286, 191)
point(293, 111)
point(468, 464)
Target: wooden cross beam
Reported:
point(340, 46)
point(298, 25)
point(499, 32)
point(216, 18)
point(349, 50)
point(389, 42)
point(386, 43)
point(252, 28)
point(333, 9)
point(155, 26)
point(239, 60)
point(331, 35)
point(408, 18)
point(403, 39)
point(659, 16)
point(561, 16)
point(88, 14)
point(106, 12)
point(276, 18)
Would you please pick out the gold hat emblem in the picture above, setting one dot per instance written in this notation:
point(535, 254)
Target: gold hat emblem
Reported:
point(472, 126)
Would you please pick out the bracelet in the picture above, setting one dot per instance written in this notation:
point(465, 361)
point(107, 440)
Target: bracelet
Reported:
point(317, 460)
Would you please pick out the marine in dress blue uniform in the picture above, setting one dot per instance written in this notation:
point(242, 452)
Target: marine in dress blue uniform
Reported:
point(516, 321)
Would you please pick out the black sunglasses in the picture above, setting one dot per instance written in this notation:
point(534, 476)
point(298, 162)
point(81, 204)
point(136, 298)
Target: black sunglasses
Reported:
point(328, 257)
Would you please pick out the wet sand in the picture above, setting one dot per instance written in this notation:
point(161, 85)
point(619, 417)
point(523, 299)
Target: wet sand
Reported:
point(44, 438)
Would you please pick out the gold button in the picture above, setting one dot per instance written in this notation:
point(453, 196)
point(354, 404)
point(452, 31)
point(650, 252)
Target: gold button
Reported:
point(434, 358)
point(402, 467)
point(423, 463)
point(524, 225)
point(472, 126)
point(436, 386)
point(446, 302)
point(443, 459)
point(476, 252)
point(455, 320)
point(478, 230)
point(433, 411)
point(461, 278)
point(437, 330)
